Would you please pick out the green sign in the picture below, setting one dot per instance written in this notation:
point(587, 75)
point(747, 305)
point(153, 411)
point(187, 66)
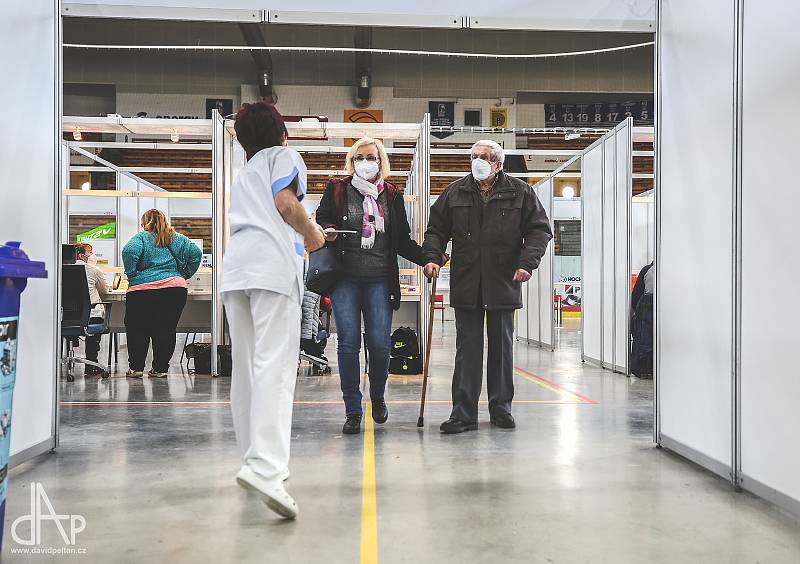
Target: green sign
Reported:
point(107, 231)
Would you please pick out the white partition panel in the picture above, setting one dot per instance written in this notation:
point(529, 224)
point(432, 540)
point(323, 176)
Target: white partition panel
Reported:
point(568, 15)
point(544, 190)
point(592, 253)
point(770, 418)
point(534, 299)
point(606, 184)
point(609, 252)
point(623, 187)
point(694, 253)
point(521, 320)
point(535, 319)
point(30, 210)
point(642, 233)
point(128, 216)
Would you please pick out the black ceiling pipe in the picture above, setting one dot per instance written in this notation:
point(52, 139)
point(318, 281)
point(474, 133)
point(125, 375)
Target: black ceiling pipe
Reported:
point(363, 40)
point(253, 37)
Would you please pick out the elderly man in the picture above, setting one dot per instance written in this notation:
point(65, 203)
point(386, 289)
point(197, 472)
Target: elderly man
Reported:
point(500, 232)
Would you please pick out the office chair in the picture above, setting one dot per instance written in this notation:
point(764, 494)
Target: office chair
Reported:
point(77, 309)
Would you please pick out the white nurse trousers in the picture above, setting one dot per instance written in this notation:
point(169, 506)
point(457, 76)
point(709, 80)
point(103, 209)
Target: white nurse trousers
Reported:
point(265, 340)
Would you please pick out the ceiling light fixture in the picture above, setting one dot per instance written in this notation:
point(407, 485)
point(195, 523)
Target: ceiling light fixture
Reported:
point(76, 135)
point(86, 186)
point(174, 136)
point(568, 192)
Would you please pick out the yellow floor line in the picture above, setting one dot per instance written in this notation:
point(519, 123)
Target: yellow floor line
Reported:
point(369, 506)
point(563, 393)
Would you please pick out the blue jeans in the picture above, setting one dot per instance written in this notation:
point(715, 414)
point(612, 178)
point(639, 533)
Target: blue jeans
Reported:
point(351, 298)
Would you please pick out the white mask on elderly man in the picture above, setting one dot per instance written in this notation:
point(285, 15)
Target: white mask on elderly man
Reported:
point(481, 169)
point(366, 169)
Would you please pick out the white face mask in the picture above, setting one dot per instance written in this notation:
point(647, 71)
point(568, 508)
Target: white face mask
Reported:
point(366, 169)
point(481, 169)
point(91, 259)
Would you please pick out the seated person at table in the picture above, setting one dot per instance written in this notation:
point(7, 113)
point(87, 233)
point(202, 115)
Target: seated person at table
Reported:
point(98, 288)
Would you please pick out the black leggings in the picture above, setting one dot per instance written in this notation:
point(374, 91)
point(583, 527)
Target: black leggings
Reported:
point(153, 314)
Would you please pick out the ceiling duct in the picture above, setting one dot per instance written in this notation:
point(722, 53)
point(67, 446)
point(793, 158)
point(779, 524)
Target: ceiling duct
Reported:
point(253, 37)
point(363, 40)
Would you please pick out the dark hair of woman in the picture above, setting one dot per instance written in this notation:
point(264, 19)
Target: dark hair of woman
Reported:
point(259, 126)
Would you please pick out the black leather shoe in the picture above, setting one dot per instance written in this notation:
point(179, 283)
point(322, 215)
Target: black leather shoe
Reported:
point(503, 421)
point(353, 424)
point(380, 413)
point(453, 426)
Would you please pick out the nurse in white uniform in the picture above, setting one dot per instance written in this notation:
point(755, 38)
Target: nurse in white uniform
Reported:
point(262, 287)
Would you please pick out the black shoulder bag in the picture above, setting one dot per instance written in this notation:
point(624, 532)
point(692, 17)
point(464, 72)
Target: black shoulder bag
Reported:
point(325, 269)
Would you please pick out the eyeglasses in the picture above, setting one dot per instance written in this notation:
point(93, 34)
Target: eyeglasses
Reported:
point(370, 158)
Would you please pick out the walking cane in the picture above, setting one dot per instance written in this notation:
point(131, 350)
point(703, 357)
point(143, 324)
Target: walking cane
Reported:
point(421, 420)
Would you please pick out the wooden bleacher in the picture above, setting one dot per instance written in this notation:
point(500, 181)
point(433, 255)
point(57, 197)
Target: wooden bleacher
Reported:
point(323, 161)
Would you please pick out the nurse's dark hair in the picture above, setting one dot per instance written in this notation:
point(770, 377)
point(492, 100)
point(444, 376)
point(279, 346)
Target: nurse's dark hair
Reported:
point(259, 126)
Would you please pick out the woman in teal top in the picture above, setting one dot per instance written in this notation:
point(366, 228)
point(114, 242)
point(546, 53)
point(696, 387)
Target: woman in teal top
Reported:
point(158, 262)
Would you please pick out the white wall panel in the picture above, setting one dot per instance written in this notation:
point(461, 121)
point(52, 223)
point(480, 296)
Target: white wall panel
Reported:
point(91, 205)
point(770, 387)
point(609, 253)
point(651, 232)
point(28, 159)
point(622, 267)
point(182, 207)
point(694, 336)
point(639, 235)
point(129, 216)
point(592, 236)
point(566, 209)
point(521, 319)
point(534, 333)
point(545, 194)
point(567, 14)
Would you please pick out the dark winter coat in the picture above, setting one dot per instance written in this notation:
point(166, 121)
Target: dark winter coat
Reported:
point(333, 208)
point(490, 241)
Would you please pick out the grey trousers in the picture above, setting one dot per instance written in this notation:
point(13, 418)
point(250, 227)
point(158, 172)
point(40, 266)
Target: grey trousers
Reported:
point(468, 374)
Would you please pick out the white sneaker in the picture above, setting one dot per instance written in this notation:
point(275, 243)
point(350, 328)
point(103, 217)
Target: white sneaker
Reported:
point(271, 492)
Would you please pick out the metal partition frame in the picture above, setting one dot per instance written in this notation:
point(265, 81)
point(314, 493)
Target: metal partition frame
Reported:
point(695, 349)
point(220, 163)
point(613, 201)
point(538, 309)
point(547, 318)
point(592, 254)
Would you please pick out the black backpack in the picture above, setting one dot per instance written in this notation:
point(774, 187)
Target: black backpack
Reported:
point(405, 357)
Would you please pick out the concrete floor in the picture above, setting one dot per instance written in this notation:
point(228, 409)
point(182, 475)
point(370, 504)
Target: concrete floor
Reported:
point(150, 465)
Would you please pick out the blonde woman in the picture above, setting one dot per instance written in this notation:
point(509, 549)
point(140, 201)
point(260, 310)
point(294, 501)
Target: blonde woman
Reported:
point(366, 203)
point(158, 262)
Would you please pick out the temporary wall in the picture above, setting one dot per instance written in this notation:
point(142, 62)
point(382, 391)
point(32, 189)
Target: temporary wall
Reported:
point(725, 352)
point(570, 15)
point(695, 231)
point(606, 177)
point(592, 253)
point(769, 417)
point(535, 321)
point(29, 211)
point(643, 231)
